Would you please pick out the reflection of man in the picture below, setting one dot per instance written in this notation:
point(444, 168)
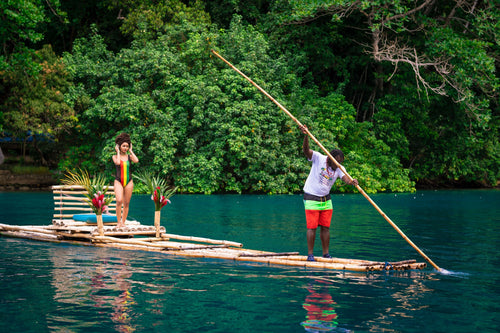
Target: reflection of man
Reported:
point(320, 311)
point(319, 304)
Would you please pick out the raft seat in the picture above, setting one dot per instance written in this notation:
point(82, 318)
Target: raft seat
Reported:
point(70, 200)
point(73, 216)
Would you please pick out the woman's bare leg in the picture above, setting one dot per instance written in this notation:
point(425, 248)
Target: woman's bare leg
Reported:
point(119, 202)
point(127, 195)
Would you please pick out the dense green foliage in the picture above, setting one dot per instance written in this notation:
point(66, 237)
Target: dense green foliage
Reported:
point(409, 91)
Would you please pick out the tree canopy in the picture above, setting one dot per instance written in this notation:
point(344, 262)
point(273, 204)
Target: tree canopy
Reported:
point(407, 89)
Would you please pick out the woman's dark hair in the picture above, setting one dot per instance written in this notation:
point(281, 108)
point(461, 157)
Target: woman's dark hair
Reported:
point(123, 137)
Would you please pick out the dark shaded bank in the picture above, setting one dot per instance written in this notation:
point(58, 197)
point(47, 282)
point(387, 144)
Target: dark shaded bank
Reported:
point(25, 182)
point(42, 182)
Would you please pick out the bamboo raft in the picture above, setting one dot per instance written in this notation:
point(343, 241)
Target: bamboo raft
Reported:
point(136, 236)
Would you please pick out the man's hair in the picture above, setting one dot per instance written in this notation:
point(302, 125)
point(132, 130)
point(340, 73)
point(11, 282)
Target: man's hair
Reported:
point(337, 153)
point(123, 137)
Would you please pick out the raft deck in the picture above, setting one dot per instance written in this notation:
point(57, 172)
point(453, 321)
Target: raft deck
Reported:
point(136, 236)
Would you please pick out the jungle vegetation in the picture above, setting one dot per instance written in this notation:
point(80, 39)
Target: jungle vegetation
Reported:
point(409, 90)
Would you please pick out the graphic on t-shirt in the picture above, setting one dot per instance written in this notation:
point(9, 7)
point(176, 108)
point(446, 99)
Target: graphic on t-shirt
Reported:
point(325, 177)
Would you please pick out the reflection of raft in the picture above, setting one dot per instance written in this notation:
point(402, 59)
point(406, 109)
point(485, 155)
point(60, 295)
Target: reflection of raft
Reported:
point(136, 236)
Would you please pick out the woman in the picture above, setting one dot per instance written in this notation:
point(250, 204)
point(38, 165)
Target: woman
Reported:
point(124, 184)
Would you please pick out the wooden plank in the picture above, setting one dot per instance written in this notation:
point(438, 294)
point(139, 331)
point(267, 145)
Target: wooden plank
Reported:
point(70, 200)
point(74, 208)
point(59, 187)
point(82, 192)
point(78, 203)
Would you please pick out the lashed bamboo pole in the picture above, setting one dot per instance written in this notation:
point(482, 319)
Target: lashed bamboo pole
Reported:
point(100, 225)
point(202, 251)
point(135, 242)
point(157, 222)
point(202, 240)
point(277, 254)
point(333, 159)
point(29, 235)
point(40, 230)
point(201, 247)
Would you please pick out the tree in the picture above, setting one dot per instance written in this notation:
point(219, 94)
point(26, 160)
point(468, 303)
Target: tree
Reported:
point(36, 104)
point(440, 124)
point(426, 36)
point(147, 19)
point(195, 120)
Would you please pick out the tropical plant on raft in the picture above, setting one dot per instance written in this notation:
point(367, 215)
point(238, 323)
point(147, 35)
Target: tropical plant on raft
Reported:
point(97, 196)
point(158, 187)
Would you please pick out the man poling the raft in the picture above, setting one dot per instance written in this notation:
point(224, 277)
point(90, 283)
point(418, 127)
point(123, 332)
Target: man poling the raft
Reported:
point(317, 200)
point(337, 164)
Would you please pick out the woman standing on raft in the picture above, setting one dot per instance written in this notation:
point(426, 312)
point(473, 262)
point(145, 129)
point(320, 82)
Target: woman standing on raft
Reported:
point(124, 184)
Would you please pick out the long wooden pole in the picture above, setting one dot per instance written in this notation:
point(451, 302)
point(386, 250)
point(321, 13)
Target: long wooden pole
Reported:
point(333, 159)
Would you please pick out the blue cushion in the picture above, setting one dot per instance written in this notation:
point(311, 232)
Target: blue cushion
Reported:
point(91, 218)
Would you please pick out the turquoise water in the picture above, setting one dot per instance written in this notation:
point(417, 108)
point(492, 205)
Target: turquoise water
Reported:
point(49, 287)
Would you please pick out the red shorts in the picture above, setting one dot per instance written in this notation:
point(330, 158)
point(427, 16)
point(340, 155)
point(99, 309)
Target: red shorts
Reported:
point(318, 217)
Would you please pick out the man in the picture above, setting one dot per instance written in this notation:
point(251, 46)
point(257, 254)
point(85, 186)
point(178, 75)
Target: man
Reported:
point(318, 204)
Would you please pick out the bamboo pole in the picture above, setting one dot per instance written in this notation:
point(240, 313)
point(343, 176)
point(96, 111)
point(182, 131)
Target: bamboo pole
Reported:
point(277, 254)
point(335, 161)
point(100, 225)
point(29, 235)
point(157, 222)
point(34, 229)
point(200, 247)
point(202, 240)
point(204, 251)
point(135, 242)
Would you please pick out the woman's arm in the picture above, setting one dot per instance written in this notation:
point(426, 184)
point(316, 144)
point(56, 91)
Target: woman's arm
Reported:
point(116, 158)
point(133, 158)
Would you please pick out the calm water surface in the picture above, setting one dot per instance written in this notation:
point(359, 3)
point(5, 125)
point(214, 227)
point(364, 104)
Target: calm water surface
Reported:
point(65, 288)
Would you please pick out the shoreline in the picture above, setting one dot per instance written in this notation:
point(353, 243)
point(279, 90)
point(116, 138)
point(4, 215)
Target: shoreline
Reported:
point(10, 182)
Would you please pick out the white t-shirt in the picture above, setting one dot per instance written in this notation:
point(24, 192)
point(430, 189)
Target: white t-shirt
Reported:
point(321, 177)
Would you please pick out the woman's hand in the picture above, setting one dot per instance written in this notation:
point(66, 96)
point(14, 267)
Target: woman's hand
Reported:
point(117, 149)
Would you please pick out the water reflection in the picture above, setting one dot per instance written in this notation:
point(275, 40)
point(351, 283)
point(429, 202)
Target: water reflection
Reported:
point(122, 304)
point(320, 307)
point(392, 296)
point(91, 279)
point(64, 288)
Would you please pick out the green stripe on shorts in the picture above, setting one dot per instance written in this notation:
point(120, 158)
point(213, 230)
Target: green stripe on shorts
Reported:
point(318, 205)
